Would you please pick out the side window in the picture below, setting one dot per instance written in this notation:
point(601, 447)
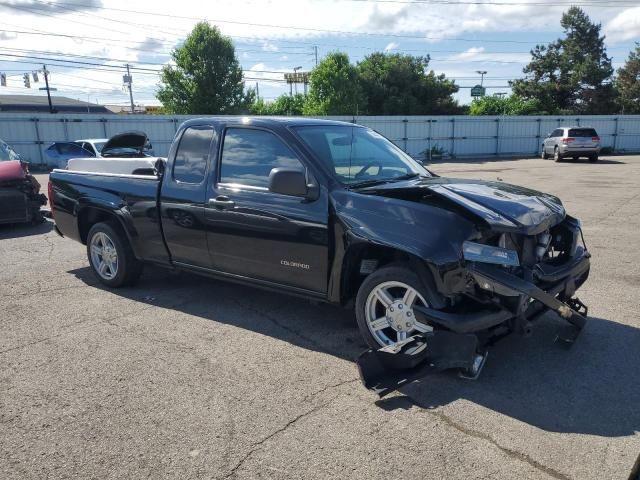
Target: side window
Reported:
point(190, 164)
point(557, 132)
point(249, 155)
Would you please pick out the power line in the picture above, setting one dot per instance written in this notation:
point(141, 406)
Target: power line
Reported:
point(290, 27)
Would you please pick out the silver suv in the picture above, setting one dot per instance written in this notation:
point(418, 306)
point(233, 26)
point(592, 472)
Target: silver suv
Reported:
point(572, 142)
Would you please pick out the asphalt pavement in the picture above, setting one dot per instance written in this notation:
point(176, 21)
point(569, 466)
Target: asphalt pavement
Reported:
point(187, 377)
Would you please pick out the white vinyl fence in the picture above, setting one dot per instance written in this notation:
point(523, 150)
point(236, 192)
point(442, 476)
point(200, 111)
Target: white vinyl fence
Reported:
point(456, 136)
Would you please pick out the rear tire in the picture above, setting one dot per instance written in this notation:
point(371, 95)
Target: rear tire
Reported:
point(111, 257)
point(556, 155)
point(382, 325)
point(593, 158)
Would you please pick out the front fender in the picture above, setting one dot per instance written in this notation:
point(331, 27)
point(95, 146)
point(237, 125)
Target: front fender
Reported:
point(432, 234)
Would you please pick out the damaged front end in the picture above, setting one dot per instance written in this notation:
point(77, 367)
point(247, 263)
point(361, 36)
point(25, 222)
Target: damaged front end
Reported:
point(20, 197)
point(510, 274)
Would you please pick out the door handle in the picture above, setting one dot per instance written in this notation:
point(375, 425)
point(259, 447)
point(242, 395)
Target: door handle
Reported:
point(222, 202)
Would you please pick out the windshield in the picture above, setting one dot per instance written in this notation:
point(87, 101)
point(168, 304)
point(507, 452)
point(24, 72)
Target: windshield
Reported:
point(358, 155)
point(98, 146)
point(7, 153)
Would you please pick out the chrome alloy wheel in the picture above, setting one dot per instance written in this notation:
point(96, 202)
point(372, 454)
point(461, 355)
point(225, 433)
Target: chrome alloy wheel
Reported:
point(104, 256)
point(389, 312)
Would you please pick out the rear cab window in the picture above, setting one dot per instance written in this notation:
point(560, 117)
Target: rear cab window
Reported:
point(192, 155)
point(249, 155)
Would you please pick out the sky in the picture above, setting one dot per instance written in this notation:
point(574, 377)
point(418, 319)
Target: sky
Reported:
point(86, 43)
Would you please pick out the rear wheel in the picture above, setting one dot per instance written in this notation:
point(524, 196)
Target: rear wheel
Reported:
point(556, 155)
point(385, 306)
point(111, 256)
point(593, 158)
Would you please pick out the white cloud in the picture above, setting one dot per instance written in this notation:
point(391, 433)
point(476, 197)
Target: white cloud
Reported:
point(391, 46)
point(624, 26)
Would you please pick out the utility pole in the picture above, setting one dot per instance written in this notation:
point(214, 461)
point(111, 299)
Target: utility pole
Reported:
point(46, 82)
point(257, 91)
point(127, 80)
point(315, 51)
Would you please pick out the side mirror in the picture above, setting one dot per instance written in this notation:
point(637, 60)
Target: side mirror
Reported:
point(288, 182)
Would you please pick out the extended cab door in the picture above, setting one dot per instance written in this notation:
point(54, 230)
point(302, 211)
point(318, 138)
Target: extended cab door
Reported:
point(183, 196)
point(258, 234)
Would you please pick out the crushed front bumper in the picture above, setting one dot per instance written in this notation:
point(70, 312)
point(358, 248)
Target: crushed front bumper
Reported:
point(461, 339)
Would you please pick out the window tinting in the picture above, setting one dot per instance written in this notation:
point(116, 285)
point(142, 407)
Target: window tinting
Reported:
point(582, 132)
point(249, 155)
point(192, 156)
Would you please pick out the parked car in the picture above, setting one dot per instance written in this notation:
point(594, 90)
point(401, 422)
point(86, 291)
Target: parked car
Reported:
point(572, 142)
point(7, 152)
point(59, 153)
point(20, 197)
point(123, 145)
point(335, 212)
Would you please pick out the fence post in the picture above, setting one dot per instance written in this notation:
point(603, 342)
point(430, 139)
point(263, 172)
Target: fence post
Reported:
point(38, 141)
point(498, 137)
point(104, 126)
point(539, 136)
point(615, 135)
point(429, 139)
point(453, 137)
point(405, 138)
point(66, 129)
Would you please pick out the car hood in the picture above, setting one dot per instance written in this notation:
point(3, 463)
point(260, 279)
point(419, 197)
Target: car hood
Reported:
point(133, 140)
point(501, 205)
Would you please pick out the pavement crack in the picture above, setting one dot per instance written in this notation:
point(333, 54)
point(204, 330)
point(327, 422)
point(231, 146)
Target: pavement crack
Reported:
point(507, 451)
point(256, 446)
point(330, 387)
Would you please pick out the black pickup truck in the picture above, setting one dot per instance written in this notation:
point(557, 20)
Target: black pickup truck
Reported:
point(333, 211)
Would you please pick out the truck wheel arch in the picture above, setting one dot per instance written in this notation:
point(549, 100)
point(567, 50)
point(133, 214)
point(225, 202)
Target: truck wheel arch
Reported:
point(355, 261)
point(88, 216)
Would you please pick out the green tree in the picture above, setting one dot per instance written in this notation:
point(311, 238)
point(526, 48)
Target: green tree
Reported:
point(398, 84)
point(511, 105)
point(572, 74)
point(206, 77)
point(334, 88)
point(628, 83)
point(283, 105)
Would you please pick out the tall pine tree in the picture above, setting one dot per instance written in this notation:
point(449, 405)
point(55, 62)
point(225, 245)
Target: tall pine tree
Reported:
point(572, 74)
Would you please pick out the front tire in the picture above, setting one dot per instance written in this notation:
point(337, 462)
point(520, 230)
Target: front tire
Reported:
point(111, 257)
point(384, 306)
point(543, 154)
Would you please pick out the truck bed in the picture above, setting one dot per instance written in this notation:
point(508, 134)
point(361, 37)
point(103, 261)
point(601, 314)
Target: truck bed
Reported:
point(133, 198)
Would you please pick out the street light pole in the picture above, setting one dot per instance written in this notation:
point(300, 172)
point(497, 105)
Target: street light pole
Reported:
point(295, 70)
point(482, 74)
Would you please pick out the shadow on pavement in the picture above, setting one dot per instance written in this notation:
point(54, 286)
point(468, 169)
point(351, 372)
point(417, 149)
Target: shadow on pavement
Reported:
point(592, 388)
point(18, 230)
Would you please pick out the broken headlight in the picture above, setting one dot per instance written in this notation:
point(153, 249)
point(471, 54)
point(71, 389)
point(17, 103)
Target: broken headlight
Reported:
point(477, 252)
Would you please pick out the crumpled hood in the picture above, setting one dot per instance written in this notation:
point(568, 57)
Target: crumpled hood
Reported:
point(501, 205)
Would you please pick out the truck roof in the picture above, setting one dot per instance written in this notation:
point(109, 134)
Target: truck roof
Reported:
point(266, 121)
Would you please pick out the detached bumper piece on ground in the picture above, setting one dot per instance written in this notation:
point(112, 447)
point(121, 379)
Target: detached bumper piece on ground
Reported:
point(461, 341)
